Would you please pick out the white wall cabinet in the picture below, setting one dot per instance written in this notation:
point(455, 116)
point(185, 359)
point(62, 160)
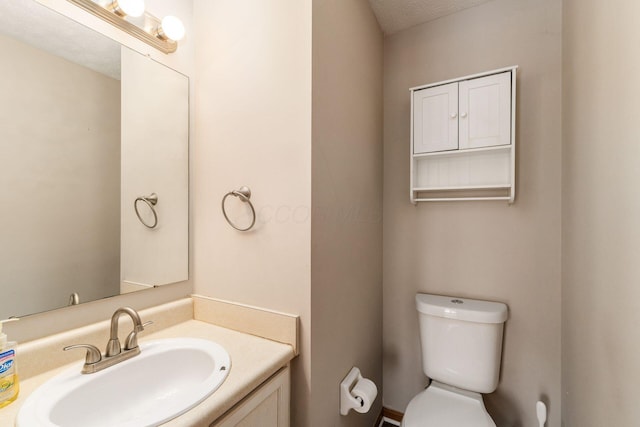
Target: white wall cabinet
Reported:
point(266, 406)
point(463, 138)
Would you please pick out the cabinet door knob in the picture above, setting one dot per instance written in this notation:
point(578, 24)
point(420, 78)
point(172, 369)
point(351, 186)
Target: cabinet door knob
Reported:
point(454, 115)
point(463, 115)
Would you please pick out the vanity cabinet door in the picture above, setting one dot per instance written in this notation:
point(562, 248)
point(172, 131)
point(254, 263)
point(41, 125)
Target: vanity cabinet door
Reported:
point(266, 406)
point(435, 119)
point(485, 111)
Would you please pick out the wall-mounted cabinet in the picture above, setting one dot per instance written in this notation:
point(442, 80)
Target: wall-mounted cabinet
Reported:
point(463, 138)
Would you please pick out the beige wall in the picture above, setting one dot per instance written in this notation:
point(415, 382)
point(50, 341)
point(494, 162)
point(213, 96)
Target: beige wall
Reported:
point(346, 233)
point(254, 118)
point(58, 235)
point(253, 127)
point(485, 250)
point(601, 210)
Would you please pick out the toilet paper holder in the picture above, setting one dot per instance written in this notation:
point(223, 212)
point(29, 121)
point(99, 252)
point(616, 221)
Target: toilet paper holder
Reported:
point(356, 392)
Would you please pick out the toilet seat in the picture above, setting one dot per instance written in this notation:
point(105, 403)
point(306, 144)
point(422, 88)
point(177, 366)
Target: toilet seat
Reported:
point(441, 405)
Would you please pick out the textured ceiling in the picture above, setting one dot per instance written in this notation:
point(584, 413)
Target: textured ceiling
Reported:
point(34, 24)
point(397, 15)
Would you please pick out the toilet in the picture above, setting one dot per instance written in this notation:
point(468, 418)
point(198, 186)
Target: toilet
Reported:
point(461, 341)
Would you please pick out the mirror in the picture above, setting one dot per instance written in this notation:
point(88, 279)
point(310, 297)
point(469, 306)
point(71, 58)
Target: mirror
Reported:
point(86, 128)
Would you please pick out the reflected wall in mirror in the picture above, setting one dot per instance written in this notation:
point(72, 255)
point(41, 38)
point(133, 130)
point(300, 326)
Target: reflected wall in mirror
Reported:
point(86, 127)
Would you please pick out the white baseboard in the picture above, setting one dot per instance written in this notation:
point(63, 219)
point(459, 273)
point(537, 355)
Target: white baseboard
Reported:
point(390, 421)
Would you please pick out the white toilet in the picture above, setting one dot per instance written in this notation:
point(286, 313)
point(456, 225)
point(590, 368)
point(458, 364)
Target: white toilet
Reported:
point(461, 342)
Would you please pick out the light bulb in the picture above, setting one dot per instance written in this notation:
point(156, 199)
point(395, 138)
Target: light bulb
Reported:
point(132, 8)
point(171, 28)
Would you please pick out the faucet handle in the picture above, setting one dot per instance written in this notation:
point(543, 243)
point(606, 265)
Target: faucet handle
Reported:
point(93, 354)
point(132, 339)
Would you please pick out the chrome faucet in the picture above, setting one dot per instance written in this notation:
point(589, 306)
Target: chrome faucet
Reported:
point(114, 353)
point(113, 346)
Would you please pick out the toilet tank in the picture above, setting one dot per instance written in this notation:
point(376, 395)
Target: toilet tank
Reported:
point(461, 340)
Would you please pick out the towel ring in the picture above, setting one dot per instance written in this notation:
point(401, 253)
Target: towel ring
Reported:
point(151, 200)
point(244, 194)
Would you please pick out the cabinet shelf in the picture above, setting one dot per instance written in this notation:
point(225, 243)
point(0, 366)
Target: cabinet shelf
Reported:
point(462, 193)
point(461, 199)
point(463, 188)
point(463, 151)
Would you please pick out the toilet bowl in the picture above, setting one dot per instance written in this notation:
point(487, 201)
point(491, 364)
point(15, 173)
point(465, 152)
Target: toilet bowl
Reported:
point(461, 343)
point(440, 405)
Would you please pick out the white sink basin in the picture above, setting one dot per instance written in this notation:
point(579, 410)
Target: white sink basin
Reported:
point(168, 378)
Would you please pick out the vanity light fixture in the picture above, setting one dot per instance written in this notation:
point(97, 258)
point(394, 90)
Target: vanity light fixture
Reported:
point(162, 35)
point(170, 28)
point(124, 8)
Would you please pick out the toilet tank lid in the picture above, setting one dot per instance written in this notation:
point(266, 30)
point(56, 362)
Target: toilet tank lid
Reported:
point(467, 309)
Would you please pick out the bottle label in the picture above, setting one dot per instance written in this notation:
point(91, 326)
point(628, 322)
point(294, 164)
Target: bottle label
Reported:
point(6, 383)
point(6, 361)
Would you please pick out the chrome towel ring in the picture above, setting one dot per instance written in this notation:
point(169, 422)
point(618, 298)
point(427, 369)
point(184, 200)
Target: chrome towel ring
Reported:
point(151, 200)
point(244, 194)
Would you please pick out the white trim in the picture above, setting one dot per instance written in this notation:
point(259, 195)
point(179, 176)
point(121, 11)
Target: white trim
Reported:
point(142, 285)
point(411, 155)
point(513, 136)
point(388, 420)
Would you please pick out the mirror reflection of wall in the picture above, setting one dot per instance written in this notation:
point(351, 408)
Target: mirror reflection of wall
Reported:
point(63, 178)
point(154, 116)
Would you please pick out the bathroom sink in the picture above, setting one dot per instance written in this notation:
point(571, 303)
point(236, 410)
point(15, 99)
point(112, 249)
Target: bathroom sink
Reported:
point(168, 378)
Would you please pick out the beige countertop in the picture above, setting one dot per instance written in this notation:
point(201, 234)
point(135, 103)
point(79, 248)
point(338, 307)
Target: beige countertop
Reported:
point(253, 360)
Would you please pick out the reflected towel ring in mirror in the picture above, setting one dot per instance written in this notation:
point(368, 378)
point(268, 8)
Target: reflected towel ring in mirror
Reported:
point(151, 200)
point(244, 194)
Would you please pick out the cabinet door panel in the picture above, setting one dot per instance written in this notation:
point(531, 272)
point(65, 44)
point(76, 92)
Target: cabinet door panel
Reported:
point(266, 406)
point(435, 119)
point(485, 111)
point(263, 415)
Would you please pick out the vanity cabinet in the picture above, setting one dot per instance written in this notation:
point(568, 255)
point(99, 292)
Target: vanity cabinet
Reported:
point(266, 406)
point(463, 138)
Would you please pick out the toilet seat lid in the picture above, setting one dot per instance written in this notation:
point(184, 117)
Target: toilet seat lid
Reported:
point(444, 406)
